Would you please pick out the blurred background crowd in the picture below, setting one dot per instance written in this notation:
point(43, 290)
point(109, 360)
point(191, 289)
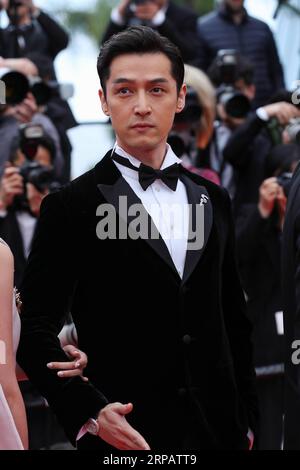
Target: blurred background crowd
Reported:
point(240, 129)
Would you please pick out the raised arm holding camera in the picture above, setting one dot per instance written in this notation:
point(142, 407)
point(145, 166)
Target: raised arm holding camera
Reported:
point(30, 29)
point(27, 179)
point(176, 22)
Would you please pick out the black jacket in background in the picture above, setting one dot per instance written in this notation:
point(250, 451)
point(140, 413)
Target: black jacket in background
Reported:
point(43, 36)
point(259, 258)
point(252, 38)
point(247, 150)
point(180, 27)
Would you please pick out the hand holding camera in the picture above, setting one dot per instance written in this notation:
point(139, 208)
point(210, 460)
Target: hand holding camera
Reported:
point(270, 192)
point(11, 186)
point(282, 111)
point(25, 111)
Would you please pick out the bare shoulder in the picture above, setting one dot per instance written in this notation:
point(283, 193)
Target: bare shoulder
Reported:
point(6, 257)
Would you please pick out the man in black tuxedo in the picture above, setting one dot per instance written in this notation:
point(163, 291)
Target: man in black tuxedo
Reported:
point(176, 22)
point(160, 314)
point(291, 306)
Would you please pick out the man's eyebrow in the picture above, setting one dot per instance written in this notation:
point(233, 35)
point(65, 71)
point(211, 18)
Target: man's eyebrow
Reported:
point(128, 80)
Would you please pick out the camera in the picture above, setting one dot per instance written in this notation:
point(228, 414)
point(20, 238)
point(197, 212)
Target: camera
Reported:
point(39, 175)
point(182, 140)
point(285, 180)
point(275, 130)
point(192, 111)
point(293, 130)
point(235, 103)
point(18, 85)
point(42, 177)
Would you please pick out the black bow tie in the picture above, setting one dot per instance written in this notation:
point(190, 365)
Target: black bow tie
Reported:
point(147, 174)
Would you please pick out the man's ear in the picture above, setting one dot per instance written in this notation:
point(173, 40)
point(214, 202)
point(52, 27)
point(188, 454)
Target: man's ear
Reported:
point(181, 99)
point(104, 104)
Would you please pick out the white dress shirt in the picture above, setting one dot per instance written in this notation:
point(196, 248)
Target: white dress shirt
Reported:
point(168, 209)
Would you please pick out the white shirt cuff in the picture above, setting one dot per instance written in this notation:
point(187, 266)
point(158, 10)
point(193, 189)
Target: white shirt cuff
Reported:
point(250, 436)
point(116, 17)
point(3, 213)
point(159, 18)
point(262, 114)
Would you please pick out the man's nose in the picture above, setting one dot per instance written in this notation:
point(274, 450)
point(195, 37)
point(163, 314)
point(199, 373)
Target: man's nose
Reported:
point(142, 106)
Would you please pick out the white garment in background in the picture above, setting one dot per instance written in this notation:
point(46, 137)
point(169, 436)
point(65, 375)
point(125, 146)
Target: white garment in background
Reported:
point(9, 436)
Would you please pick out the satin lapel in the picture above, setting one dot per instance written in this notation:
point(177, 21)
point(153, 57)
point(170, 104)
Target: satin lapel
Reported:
point(200, 224)
point(112, 194)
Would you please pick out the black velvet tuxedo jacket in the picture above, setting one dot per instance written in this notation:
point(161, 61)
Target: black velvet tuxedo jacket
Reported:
point(291, 310)
point(178, 349)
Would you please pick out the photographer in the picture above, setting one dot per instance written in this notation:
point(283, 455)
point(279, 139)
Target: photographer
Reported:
point(259, 235)
point(231, 27)
point(26, 112)
point(233, 77)
point(250, 144)
point(176, 22)
point(26, 181)
point(30, 30)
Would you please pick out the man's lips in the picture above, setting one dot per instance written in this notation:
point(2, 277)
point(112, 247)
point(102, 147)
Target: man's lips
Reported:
point(142, 125)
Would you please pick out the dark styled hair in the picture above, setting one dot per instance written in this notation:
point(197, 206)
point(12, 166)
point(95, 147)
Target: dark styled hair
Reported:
point(139, 40)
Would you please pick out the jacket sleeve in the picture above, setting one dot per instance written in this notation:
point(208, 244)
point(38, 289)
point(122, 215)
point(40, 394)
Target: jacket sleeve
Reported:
point(238, 150)
point(251, 230)
point(46, 292)
point(238, 326)
point(58, 38)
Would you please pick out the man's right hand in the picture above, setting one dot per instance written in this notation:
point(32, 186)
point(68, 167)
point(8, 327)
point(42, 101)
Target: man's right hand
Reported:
point(11, 185)
point(269, 191)
point(122, 8)
point(115, 429)
point(282, 111)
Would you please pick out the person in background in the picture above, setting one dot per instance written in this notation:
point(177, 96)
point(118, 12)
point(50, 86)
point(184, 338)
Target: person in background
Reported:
point(176, 22)
point(231, 27)
point(259, 247)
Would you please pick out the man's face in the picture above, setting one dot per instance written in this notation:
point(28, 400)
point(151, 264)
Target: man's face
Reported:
point(235, 5)
point(22, 9)
point(247, 90)
point(141, 100)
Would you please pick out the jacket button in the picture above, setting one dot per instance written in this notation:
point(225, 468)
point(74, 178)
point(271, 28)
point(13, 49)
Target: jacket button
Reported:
point(187, 339)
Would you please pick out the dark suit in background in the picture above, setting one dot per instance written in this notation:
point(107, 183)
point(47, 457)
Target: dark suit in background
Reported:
point(259, 256)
